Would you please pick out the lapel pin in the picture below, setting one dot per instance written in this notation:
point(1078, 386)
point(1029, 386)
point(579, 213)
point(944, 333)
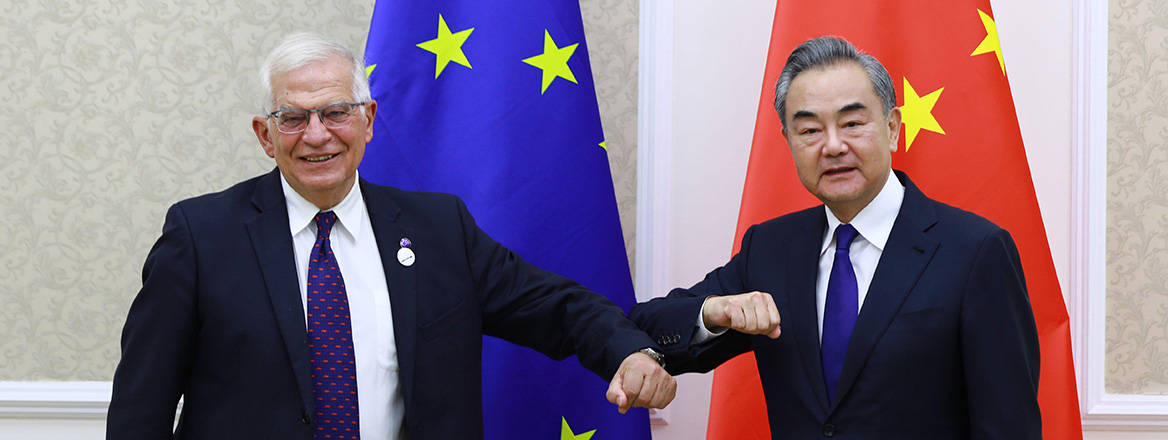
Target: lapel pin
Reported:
point(405, 255)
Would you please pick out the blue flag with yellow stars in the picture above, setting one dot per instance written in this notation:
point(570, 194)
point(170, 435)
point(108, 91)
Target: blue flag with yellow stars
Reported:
point(494, 102)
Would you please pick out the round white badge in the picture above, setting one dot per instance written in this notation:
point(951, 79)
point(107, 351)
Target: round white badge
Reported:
point(405, 256)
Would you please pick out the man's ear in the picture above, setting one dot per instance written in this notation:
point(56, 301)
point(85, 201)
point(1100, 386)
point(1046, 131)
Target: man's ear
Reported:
point(260, 125)
point(370, 112)
point(893, 128)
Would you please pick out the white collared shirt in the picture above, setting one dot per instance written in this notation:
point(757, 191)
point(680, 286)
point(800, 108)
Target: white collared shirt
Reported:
point(379, 397)
point(874, 223)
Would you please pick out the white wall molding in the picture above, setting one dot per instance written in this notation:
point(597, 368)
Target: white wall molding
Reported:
point(654, 164)
point(1126, 412)
point(54, 400)
point(654, 142)
point(1102, 411)
point(1088, 191)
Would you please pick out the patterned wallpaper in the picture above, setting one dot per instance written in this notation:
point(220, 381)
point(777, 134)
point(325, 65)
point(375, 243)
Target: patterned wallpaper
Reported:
point(1137, 198)
point(611, 26)
point(116, 109)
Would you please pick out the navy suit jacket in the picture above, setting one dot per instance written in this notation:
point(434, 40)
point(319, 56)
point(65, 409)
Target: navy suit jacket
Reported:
point(945, 345)
point(219, 319)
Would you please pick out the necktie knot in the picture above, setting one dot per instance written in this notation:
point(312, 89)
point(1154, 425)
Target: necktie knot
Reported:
point(324, 223)
point(844, 234)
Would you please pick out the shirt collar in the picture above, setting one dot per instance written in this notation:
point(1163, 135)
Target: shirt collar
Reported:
point(873, 222)
point(301, 212)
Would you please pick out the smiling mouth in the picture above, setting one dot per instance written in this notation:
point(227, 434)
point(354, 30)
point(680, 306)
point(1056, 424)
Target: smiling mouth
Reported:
point(319, 158)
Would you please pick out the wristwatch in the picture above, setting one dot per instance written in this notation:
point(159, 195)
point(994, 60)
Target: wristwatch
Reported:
point(660, 358)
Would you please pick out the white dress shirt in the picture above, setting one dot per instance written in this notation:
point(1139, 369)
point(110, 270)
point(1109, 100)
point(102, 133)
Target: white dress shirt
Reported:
point(379, 397)
point(874, 224)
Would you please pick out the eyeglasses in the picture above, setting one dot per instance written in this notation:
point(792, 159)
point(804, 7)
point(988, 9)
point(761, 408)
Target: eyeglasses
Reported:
point(295, 120)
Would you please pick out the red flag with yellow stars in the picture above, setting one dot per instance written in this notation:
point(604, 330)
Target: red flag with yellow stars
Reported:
point(961, 144)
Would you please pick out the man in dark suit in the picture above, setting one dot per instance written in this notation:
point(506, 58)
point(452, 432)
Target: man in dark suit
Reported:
point(307, 303)
point(903, 317)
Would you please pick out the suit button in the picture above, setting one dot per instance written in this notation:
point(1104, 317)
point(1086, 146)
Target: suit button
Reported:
point(829, 430)
point(304, 419)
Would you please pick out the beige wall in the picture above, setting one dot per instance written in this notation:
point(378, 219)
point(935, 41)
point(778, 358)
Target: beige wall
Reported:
point(611, 27)
point(114, 110)
point(1137, 198)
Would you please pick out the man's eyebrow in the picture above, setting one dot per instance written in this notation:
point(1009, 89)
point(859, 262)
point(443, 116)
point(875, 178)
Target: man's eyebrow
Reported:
point(851, 108)
point(803, 114)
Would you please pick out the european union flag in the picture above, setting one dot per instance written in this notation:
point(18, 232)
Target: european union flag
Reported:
point(494, 102)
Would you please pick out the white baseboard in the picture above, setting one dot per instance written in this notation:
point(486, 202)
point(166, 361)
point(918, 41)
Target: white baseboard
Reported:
point(54, 400)
point(50, 403)
point(1127, 413)
point(53, 429)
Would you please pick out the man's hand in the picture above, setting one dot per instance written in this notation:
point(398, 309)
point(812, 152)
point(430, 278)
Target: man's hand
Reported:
point(752, 313)
point(640, 381)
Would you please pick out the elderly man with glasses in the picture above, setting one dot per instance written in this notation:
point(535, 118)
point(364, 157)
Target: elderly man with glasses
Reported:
point(307, 303)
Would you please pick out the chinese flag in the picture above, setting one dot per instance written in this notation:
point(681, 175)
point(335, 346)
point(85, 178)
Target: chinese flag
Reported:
point(961, 145)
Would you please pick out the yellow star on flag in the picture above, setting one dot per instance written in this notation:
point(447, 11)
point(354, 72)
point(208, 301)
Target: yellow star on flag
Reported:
point(917, 113)
point(553, 61)
point(566, 432)
point(447, 47)
point(369, 70)
point(990, 43)
point(602, 145)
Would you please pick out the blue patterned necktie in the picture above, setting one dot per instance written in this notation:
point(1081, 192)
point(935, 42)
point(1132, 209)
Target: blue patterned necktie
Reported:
point(840, 309)
point(330, 345)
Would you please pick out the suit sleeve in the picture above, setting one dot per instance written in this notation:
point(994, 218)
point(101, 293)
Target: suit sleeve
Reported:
point(670, 320)
point(157, 340)
point(999, 343)
point(535, 308)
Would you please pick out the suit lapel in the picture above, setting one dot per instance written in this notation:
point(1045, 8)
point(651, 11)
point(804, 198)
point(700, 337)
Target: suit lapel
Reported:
point(907, 253)
point(802, 267)
point(272, 241)
point(384, 214)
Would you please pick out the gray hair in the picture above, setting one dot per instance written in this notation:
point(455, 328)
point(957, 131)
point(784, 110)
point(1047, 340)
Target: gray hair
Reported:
point(829, 51)
point(301, 49)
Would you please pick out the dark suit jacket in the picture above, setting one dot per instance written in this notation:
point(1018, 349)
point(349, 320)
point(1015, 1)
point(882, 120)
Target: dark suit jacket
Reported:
point(219, 320)
point(945, 345)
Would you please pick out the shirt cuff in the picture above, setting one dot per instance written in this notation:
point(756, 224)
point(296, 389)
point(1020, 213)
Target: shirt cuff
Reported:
point(703, 334)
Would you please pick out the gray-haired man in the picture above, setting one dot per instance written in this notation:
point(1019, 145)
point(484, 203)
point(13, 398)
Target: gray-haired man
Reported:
point(291, 305)
point(902, 317)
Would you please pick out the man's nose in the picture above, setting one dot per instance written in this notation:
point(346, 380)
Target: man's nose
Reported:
point(315, 133)
point(834, 144)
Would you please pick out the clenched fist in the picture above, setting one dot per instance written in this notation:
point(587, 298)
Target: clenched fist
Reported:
point(751, 313)
point(640, 381)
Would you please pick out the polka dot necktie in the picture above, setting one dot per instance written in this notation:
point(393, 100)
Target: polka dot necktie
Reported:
point(330, 345)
